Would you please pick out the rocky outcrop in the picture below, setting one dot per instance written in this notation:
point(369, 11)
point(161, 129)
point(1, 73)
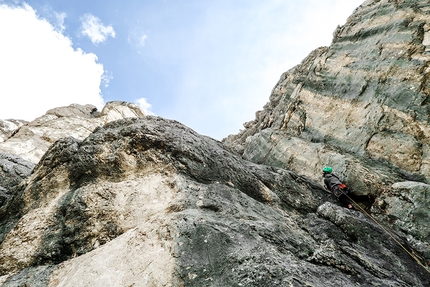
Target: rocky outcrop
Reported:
point(118, 199)
point(149, 202)
point(406, 208)
point(7, 128)
point(365, 96)
point(362, 107)
point(13, 170)
point(31, 140)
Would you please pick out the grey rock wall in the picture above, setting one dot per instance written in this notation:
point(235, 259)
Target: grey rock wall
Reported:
point(149, 202)
point(13, 170)
point(113, 198)
point(367, 95)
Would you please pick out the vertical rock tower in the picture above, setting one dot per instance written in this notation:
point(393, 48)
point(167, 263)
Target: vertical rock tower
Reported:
point(365, 96)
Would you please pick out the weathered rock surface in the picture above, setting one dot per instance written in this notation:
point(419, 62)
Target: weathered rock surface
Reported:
point(7, 127)
point(367, 95)
point(149, 202)
point(145, 201)
point(13, 170)
point(31, 140)
point(406, 207)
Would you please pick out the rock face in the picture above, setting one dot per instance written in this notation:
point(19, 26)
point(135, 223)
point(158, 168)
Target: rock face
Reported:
point(367, 95)
point(149, 202)
point(117, 199)
point(31, 140)
point(13, 170)
point(7, 127)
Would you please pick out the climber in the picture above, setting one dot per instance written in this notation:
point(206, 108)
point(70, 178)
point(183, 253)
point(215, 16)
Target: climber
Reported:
point(339, 189)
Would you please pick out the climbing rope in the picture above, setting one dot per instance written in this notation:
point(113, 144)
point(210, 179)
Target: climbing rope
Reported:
point(386, 231)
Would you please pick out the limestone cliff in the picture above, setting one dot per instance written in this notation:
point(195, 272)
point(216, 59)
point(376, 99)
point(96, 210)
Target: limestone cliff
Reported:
point(120, 199)
point(149, 202)
point(362, 106)
point(7, 127)
point(365, 96)
point(31, 140)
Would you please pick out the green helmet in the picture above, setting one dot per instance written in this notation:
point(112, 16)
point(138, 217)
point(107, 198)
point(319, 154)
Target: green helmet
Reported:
point(327, 169)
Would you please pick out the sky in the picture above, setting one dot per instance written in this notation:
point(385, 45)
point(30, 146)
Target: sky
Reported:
point(209, 64)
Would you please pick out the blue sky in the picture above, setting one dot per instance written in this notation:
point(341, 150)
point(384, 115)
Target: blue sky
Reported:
point(210, 64)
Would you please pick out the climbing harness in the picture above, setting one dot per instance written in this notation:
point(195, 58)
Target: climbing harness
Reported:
point(386, 231)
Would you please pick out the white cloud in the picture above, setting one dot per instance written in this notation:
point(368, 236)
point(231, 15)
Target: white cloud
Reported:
point(137, 40)
point(144, 106)
point(59, 21)
point(40, 69)
point(106, 78)
point(142, 40)
point(55, 18)
point(93, 27)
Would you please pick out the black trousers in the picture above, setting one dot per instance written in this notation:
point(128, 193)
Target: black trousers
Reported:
point(344, 200)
